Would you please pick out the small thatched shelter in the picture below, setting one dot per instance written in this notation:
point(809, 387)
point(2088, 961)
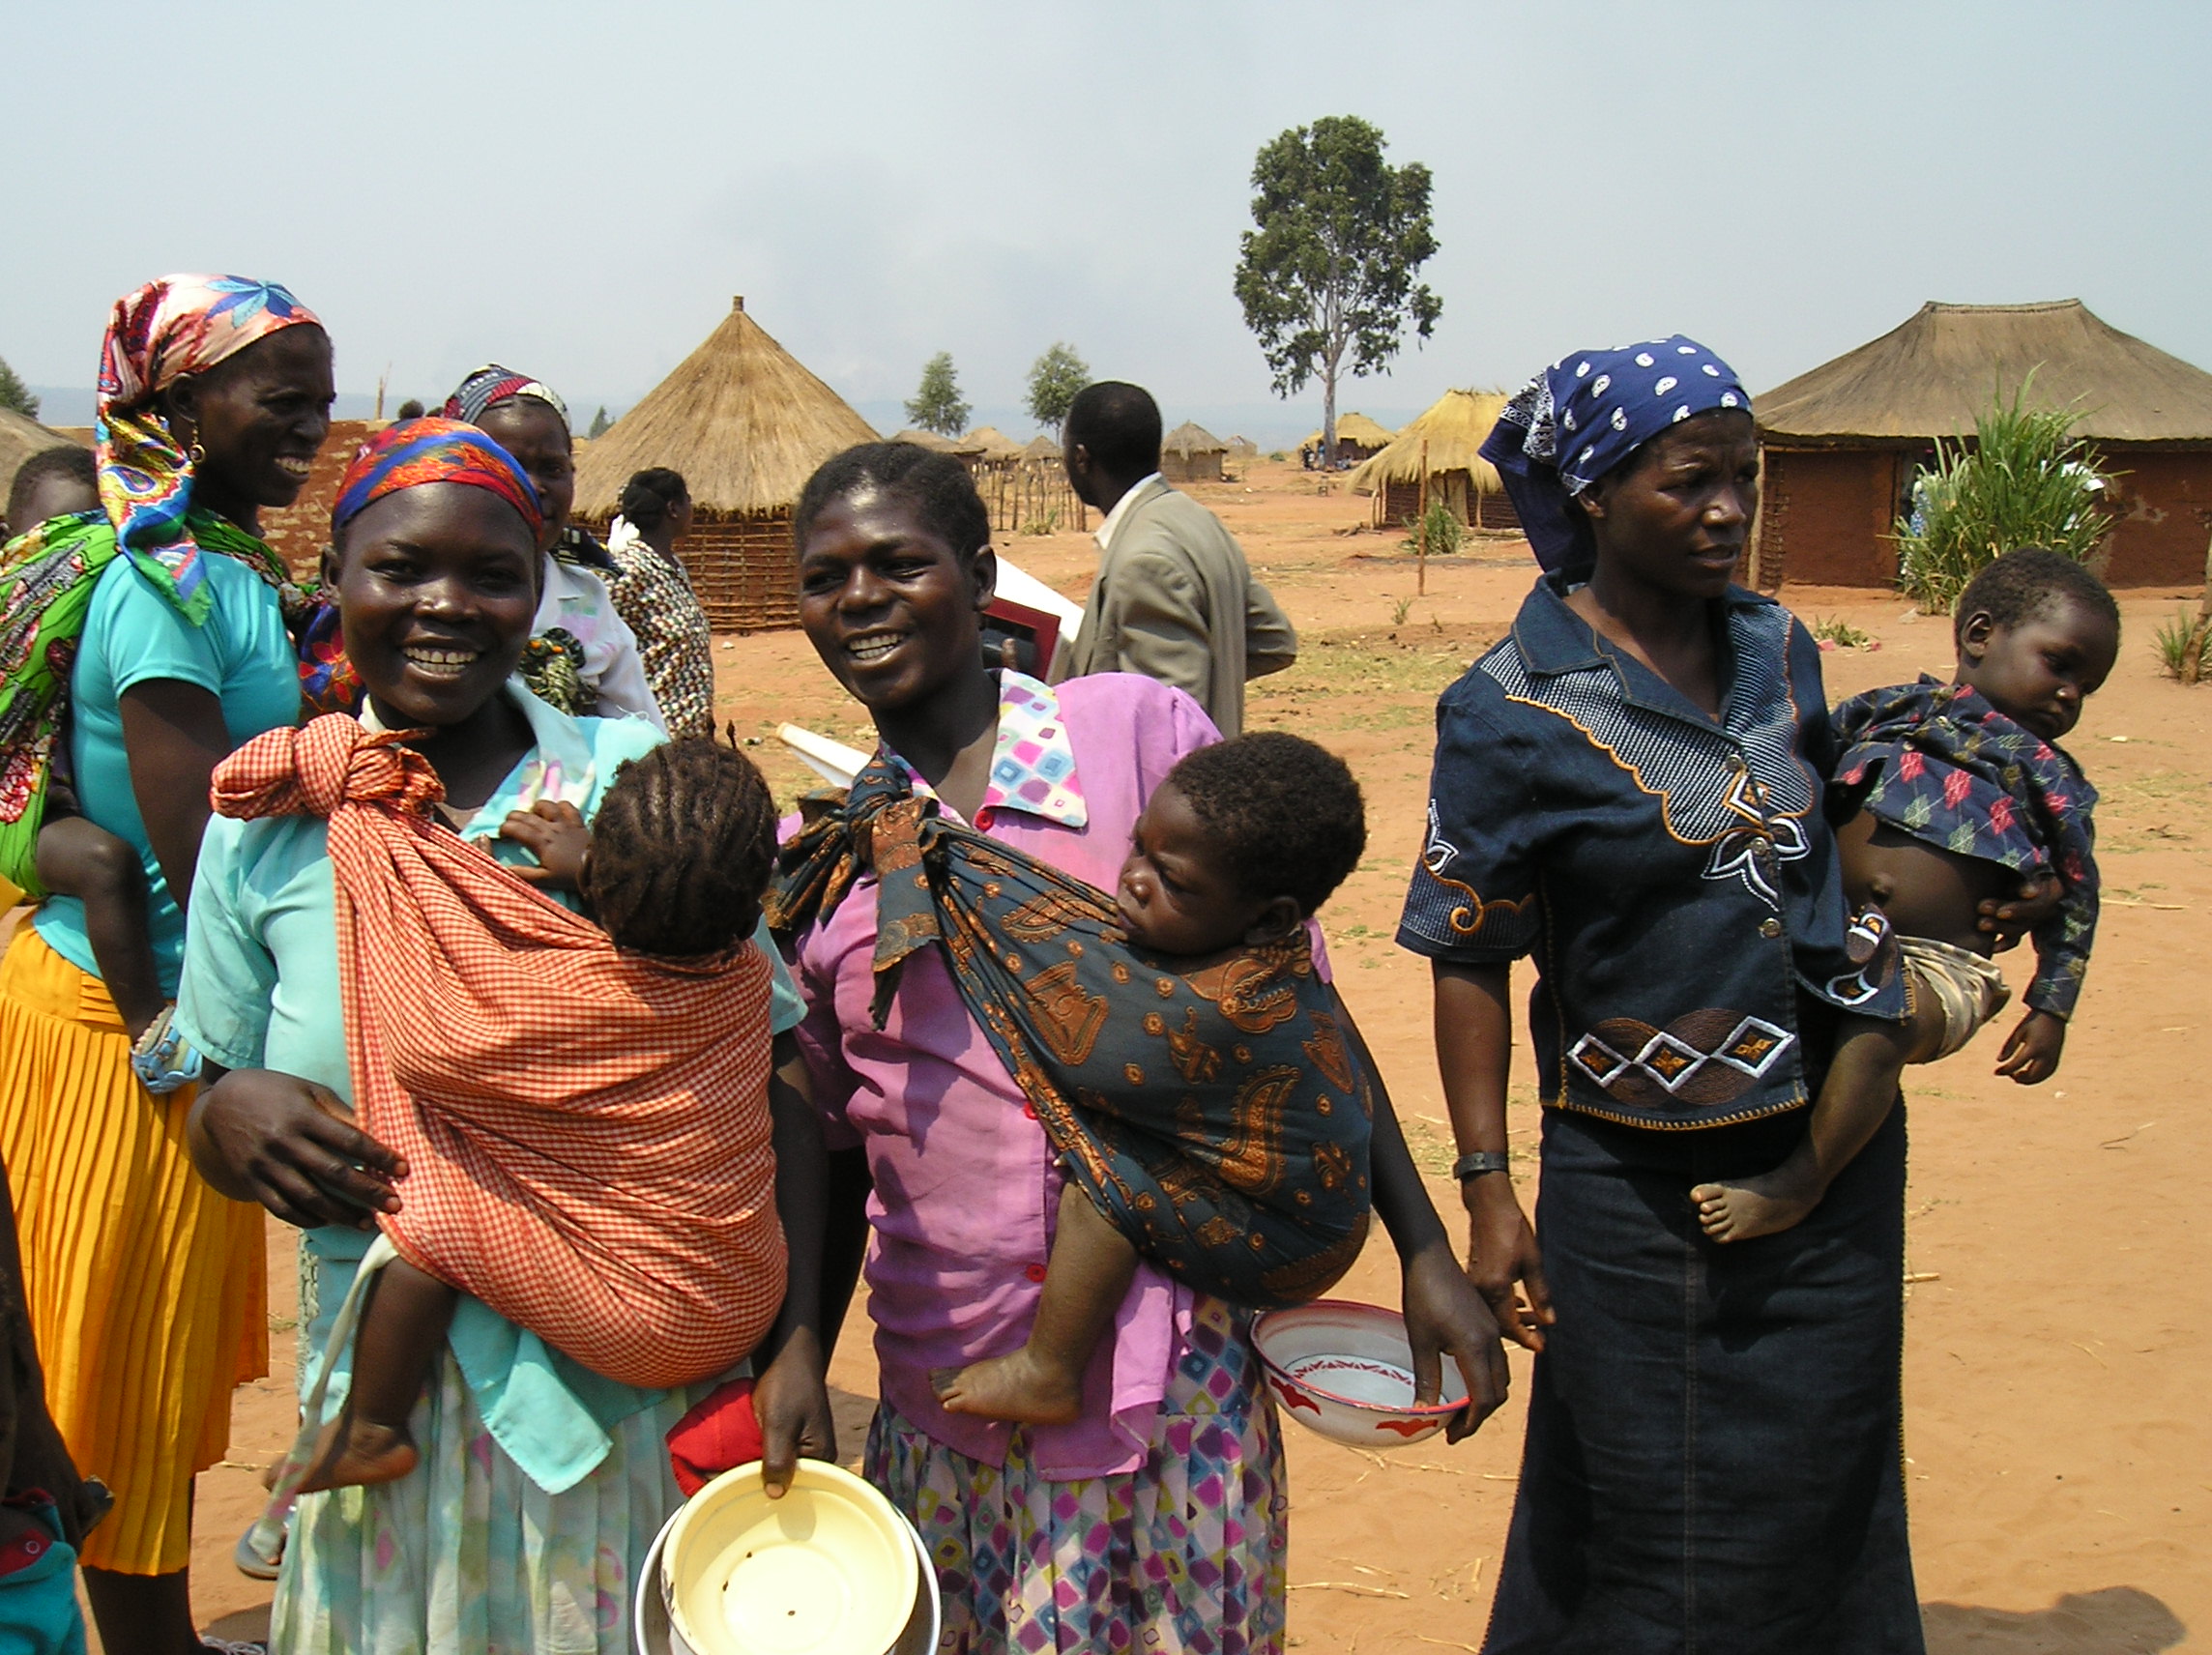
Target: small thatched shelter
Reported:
point(1043, 447)
point(19, 439)
point(1241, 447)
point(993, 444)
point(959, 448)
point(1842, 443)
point(1435, 458)
point(746, 426)
point(1191, 454)
point(1358, 438)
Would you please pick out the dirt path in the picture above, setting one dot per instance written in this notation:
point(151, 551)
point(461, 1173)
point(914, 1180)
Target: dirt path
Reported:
point(2058, 1355)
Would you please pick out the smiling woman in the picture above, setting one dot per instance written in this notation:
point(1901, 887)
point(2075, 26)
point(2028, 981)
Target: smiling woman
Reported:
point(146, 1287)
point(518, 1529)
point(1156, 1518)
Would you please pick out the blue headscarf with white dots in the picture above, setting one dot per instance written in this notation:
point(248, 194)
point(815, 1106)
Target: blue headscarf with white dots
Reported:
point(1580, 417)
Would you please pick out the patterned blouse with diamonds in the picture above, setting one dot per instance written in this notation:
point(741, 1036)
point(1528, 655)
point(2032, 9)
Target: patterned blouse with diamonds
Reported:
point(1671, 874)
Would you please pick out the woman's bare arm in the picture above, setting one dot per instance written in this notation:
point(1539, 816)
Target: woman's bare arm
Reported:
point(174, 734)
point(1442, 1311)
point(1474, 1054)
point(791, 1398)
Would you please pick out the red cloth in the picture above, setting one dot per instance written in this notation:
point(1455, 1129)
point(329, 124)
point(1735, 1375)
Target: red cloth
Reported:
point(586, 1130)
point(719, 1435)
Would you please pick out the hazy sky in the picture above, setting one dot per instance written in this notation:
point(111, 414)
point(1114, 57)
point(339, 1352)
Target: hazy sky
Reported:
point(578, 189)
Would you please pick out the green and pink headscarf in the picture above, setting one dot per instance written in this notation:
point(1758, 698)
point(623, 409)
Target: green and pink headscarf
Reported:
point(172, 327)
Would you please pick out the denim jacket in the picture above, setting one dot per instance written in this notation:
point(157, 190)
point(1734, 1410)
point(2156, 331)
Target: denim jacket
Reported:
point(1672, 875)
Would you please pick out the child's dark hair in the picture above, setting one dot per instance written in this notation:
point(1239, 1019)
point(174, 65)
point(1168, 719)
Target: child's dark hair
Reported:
point(652, 494)
point(682, 848)
point(2017, 586)
point(936, 485)
point(67, 461)
point(1287, 812)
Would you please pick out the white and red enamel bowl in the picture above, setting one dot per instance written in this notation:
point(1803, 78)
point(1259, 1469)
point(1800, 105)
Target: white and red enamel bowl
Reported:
point(830, 1569)
point(1346, 1370)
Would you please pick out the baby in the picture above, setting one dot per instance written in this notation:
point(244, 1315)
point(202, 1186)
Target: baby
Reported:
point(644, 846)
point(78, 857)
point(1947, 795)
point(1236, 849)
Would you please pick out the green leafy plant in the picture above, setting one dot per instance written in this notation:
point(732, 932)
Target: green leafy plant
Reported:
point(1840, 633)
point(1055, 378)
point(1437, 532)
point(1278, 456)
point(1326, 279)
point(937, 404)
point(1047, 524)
point(1400, 610)
point(2181, 643)
point(14, 395)
point(2026, 479)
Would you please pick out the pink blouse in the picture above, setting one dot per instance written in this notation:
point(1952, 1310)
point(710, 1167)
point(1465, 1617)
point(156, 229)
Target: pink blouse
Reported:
point(966, 1188)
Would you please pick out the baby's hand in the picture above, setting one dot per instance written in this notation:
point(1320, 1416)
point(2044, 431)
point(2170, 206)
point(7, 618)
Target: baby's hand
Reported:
point(2030, 1052)
point(2005, 920)
point(556, 835)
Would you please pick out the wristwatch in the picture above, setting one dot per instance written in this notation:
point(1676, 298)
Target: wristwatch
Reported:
point(1481, 1161)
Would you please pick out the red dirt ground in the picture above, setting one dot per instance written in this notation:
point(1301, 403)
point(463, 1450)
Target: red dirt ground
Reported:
point(2057, 1354)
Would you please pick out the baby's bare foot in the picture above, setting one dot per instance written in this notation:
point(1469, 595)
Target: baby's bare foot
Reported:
point(1021, 1387)
point(1755, 1207)
point(354, 1453)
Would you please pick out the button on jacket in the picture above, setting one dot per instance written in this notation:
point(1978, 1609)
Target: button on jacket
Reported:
point(1671, 874)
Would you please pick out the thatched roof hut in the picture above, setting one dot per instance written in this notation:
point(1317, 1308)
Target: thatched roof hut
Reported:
point(1243, 448)
point(1438, 452)
point(938, 443)
point(1043, 447)
point(1358, 438)
point(1842, 443)
point(19, 439)
point(746, 426)
point(993, 444)
point(1191, 454)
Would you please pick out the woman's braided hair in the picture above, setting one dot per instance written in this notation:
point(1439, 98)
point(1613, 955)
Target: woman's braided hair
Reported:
point(682, 849)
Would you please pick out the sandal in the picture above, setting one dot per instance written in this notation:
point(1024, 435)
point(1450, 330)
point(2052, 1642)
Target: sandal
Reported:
point(162, 1058)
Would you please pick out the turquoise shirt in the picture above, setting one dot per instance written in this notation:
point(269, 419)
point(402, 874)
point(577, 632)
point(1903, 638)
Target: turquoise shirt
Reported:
point(261, 991)
point(134, 635)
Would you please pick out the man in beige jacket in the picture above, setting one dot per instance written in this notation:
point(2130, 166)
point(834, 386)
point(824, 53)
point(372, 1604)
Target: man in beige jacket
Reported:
point(1173, 599)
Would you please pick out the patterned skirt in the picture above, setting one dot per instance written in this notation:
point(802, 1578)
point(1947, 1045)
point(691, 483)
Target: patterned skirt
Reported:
point(1184, 1556)
point(466, 1555)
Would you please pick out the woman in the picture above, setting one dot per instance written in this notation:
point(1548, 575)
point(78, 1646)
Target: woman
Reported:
point(146, 1287)
point(1156, 1520)
point(524, 1526)
point(602, 675)
point(655, 596)
point(1628, 787)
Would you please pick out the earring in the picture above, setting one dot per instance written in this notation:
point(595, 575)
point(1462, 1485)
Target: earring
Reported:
point(198, 454)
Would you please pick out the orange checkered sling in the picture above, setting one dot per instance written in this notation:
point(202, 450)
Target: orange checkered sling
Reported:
point(587, 1131)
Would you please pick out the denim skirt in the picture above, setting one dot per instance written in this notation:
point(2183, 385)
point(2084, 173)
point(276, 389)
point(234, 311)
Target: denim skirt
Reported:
point(1714, 1444)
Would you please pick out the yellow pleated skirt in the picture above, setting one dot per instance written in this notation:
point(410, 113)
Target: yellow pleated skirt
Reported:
point(148, 1290)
